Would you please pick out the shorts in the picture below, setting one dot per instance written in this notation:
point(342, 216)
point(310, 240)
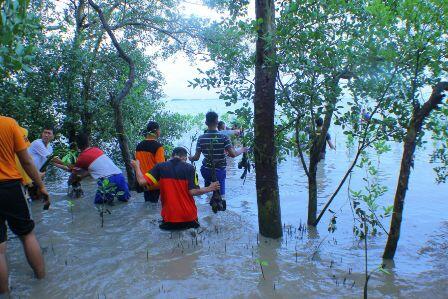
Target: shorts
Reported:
point(152, 195)
point(14, 210)
point(220, 175)
point(120, 186)
point(178, 225)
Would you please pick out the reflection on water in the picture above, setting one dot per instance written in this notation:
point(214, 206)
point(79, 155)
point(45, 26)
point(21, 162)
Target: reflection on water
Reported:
point(131, 257)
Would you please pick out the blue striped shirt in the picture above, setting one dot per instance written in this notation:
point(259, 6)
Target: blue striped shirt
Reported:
point(213, 145)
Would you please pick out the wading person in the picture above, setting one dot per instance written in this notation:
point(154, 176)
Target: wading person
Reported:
point(214, 145)
point(14, 209)
point(225, 131)
point(92, 161)
point(41, 150)
point(178, 184)
point(319, 124)
point(148, 153)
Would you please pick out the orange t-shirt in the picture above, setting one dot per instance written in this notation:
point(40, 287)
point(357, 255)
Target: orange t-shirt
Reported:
point(12, 140)
point(26, 180)
point(149, 152)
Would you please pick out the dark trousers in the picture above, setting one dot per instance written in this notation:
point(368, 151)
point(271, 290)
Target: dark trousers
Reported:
point(152, 196)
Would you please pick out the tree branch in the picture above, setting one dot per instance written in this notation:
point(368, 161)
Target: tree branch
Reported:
point(131, 76)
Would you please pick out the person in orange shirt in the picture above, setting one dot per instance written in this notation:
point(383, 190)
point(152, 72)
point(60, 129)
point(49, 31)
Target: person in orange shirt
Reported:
point(13, 205)
point(148, 153)
point(26, 180)
point(178, 184)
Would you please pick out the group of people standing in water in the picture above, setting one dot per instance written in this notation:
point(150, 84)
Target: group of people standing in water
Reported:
point(173, 182)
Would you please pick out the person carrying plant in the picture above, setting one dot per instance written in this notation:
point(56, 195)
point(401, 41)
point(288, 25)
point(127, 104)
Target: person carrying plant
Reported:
point(92, 161)
point(42, 153)
point(150, 152)
point(178, 184)
point(221, 144)
point(14, 208)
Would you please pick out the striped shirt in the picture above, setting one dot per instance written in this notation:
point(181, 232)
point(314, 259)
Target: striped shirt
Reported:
point(213, 145)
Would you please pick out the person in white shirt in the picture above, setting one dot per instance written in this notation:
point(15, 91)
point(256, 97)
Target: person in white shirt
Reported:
point(41, 149)
point(223, 130)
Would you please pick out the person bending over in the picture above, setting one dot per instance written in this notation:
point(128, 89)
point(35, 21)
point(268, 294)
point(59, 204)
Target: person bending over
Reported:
point(178, 184)
point(150, 152)
point(14, 208)
point(214, 146)
point(92, 161)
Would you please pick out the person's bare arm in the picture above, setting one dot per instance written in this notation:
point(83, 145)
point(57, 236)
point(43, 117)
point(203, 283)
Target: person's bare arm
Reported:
point(233, 153)
point(196, 192)
point(331, 145)
point(196, 156)
point(80, 173)
point(28, 165)
point(138, 173)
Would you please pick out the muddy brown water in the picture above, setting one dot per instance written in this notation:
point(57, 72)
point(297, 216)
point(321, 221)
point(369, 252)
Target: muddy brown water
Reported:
point(132, 258)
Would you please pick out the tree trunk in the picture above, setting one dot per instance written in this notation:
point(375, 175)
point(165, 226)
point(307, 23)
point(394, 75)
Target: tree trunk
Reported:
point(316, 148)
point(123, 141)
point(117, 99)
point(269, 215)
point(312, 193)
point(72, 109)
point(407, 161)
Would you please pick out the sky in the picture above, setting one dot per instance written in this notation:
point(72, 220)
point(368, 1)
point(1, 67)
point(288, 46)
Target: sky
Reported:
point(178, 70)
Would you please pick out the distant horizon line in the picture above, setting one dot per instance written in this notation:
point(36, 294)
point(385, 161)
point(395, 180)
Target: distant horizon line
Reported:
point(192, 99)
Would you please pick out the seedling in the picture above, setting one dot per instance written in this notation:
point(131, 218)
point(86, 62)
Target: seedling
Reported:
point(262, 263)
point(108, 193)
point(71, 204)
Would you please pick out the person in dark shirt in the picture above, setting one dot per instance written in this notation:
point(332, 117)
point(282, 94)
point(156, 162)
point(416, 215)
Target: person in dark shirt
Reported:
point(319, 123)
point(178, 184)
point(214, 145)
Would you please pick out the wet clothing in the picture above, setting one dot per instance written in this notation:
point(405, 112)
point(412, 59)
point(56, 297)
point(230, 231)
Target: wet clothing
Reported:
point(175, 178)
point(97, 163)
point(219, 142)
point(213, 145)
point(179, 225)
point(152, 195)
point(324, 146)
point(12, 140)
point(39, 152)
point(13, 205)
point(220, 176)
point(121, 186)
point(101, 167)
point(14, 210)
point(150, 152)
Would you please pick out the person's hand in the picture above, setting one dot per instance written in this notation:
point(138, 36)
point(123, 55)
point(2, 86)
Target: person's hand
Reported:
point(244, 149)
point(42, 174)
point(135, 163)
point(43, 193)
point(214, 186)
point(190, 158)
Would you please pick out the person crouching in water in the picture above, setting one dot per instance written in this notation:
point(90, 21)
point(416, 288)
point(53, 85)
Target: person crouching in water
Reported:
point(178, 184)
point(92, 161)
point(150, 152)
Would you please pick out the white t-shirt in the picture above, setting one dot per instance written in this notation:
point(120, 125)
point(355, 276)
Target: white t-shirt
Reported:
point(39, 152)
